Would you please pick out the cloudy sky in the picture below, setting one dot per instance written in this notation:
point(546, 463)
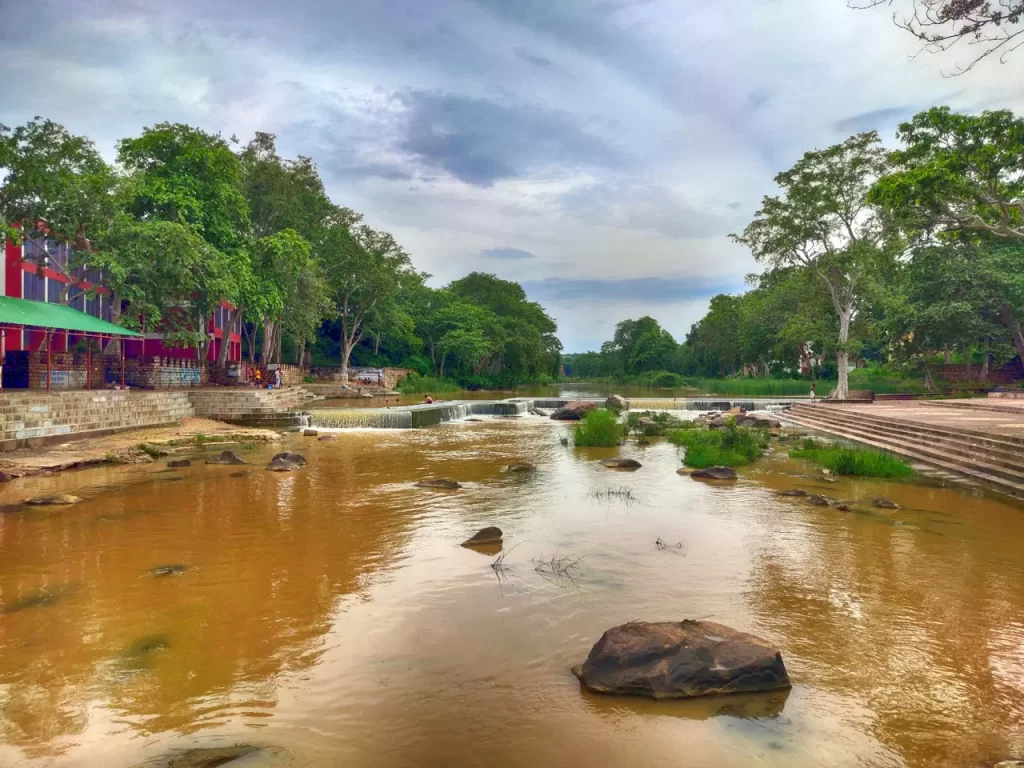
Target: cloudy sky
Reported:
point(598, 151)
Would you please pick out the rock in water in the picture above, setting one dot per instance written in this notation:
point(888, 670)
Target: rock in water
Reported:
point(168, 570)
point(820, 501)
point(179, 463)
point(448, 485)
point(327, 438)
point(55, 499)
point(294, 458)
point(621, 463)
point(883, 503)
point(736, 411)
point(799, 492)
point(278, 464)
point(574, 411)
point(227, 457)
point(616, 403)
point(6, 477)
point(673, 660)
point(489, 535)
point(714, 473)
point(310, 433)
point(520, 466)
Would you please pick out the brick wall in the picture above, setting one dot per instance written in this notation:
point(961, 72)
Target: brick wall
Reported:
point(68, 370)
point(161, 372)
point(1006, 374)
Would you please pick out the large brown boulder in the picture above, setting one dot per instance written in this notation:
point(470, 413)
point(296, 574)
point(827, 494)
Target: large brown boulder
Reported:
point(621, 463)
point(294, 458)
point(227, 457)
point(574, 411)
point(674, 660)
point(616, 403)
point(489, 535)
point(714, 473)
point(53, 500)
point(447, 485)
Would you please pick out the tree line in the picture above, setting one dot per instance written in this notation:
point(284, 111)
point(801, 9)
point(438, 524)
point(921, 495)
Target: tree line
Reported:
point(185, 221)
point(897, 256)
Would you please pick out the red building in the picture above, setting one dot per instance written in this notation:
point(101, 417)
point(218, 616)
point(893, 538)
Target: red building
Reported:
point(25, 277)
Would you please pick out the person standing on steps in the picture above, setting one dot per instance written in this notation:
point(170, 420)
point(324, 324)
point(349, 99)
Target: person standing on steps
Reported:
point(814, 396)
point(277, 378)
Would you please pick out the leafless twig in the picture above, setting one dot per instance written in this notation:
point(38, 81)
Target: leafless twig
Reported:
point(679, 547)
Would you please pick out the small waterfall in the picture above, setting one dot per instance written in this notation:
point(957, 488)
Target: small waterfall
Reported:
point(363, 417)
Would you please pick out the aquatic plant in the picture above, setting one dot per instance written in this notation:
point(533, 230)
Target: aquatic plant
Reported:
point(598, 428)
point(853, 462)
point(730, 446)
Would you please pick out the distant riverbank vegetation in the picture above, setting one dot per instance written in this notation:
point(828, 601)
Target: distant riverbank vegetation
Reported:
point(879, 268)
point(185, 224)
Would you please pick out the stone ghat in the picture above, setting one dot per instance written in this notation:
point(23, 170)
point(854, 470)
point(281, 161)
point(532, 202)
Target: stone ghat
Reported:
point(32, 420)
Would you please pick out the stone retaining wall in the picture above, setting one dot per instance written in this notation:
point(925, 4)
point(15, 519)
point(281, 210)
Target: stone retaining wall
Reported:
point(333, 374)
point(33, 419)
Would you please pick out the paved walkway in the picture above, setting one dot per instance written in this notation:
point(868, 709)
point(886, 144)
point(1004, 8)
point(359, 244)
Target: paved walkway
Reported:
point(976, 419)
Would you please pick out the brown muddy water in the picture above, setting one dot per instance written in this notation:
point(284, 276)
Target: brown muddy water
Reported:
point(332, 613)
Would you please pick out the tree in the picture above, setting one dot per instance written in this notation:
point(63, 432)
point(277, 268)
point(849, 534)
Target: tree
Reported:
point(959, 173)
point(992, 25)
point(822, 222)
point(364, 268)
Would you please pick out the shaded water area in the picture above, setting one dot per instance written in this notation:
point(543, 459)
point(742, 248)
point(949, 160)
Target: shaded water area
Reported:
point(331, 612)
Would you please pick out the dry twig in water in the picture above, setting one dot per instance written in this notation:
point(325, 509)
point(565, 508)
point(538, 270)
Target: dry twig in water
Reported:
point(560, 568)
point(679, 547)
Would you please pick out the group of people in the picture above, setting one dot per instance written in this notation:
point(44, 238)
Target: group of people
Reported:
point(257, 379)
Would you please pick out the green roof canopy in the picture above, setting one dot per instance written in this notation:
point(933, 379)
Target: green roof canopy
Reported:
point(39, 314)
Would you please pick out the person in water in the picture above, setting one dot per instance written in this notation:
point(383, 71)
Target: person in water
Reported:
point(428, 399)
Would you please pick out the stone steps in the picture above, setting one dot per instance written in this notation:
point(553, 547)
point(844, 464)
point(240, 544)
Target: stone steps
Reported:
point(251, 405)
point(992, 460)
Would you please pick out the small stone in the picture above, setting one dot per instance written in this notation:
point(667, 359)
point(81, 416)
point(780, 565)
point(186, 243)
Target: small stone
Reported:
point(56, 499)
point(448, 485)
point(327, 438)
point(714, 473)
point(227, 457)
point(621, 463)
point(168, 570)
point(294, 458)
point(826, 471)
point(489, 535)
point(820, 501)
point(310, 433)
point(520, 466)
point(6, 477)
point(796, 492)
point(474, 419)
point(179, 463)
point(684, 471)
point(843, 507)
point(883, 503)
point(278, 464)
point(736, 411)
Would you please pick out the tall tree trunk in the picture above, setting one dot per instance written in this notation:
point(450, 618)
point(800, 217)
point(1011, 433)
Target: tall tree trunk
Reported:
point(843, 355)
point(225, 339)
point(250, 340)
point(947, 355)
point(268, 340)
point(280, 338)
point(983, 376)
point(299, 352)
point(114, 346)
point(1007, 318)
point(928, 383)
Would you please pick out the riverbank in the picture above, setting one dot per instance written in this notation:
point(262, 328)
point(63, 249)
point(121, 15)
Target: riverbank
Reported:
point(124, 447)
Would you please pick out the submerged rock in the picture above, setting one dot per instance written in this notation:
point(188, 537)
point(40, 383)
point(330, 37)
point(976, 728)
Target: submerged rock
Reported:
point(6, 477)
point(54, 499)
point(227, 457)
point(173, 569)
point(884, 503)
point(473, 419)
point(278, 464)
point(310, 433)
point(820, 501)
point(621, 463)
point(843, 506)
point(294, 458)
point(521, 466)
point(670, 660)
point(179, 463)
point(574, 411)
point(796, 492)
point(616, 403)
point(147, 645)
point(448, 485)
point(37, 599)
point(684, 471)
point(238, 756)
point(714, 473)
point(327, 438)
point(489, 535)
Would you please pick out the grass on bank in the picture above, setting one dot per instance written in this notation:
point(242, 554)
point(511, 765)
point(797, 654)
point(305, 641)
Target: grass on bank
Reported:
point(598, 428)
point(731, 446)
point(853, 462)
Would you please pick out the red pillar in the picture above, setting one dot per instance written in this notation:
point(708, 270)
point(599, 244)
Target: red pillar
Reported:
point(88, 363)
point(49, 355)
point(122, 363)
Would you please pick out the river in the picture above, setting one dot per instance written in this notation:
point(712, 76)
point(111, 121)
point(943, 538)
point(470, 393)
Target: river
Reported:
point(332, 613)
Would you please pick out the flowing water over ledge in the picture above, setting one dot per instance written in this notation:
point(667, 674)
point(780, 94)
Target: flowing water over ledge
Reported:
point(331, 612)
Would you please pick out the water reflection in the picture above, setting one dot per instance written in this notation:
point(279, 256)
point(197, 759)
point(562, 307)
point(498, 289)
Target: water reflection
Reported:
point(332, 611)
